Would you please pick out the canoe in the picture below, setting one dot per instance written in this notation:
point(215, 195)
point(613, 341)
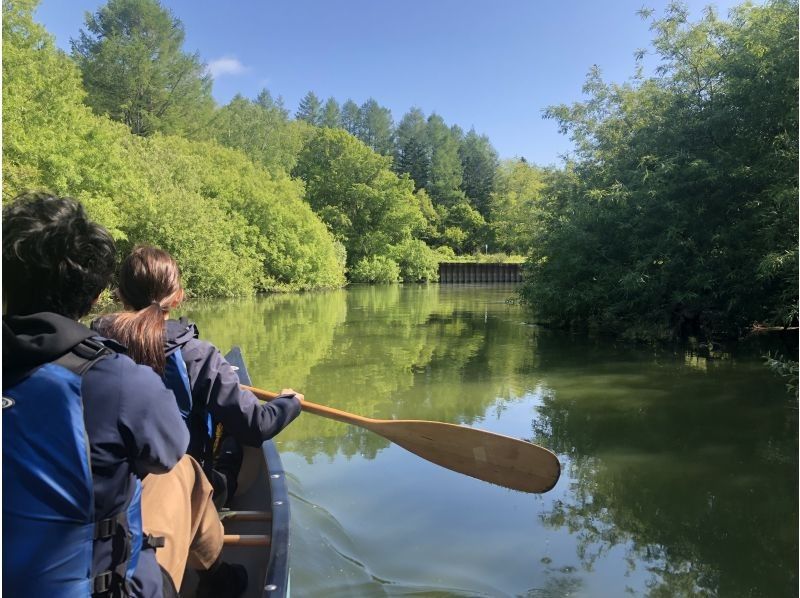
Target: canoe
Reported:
point(257, 522)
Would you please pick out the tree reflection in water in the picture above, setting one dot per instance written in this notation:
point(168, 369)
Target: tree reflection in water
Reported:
point(680, 467)
point(695, 474)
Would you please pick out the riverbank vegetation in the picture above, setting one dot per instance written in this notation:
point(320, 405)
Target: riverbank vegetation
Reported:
point(679, 211)
point(676, 214)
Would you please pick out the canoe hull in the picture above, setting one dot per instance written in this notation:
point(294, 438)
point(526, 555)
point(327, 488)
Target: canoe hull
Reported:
point(257, 523)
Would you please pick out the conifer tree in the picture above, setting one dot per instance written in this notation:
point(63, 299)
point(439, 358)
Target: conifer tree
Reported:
point(350, 117)
point(135, 70)
point(376, 127)
point(444, 185)
point(310, 109)
point(479, 164)
point(331, 114)
point(412, 153)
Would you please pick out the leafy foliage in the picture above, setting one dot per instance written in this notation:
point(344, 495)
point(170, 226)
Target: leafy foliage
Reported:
point(417, 261)
point(376, 268)
point(135, 71)
point(50, 139)
point(261, 129)
point(234, 227)
point(362, 201)
point(680, 211)
point(513, 205)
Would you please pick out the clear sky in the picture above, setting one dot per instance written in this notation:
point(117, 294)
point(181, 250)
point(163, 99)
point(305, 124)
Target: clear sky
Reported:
point(494, 65)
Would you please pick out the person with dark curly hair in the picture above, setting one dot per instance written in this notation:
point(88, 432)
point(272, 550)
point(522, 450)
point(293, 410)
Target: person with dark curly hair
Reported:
point(83, 424)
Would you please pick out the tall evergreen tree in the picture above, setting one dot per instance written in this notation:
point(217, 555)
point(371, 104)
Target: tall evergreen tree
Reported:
point(444, 185)
point(412, 151)
point(310, 109)
point(350, 117)
point(135, 71)
point(376, 127)
point(479, 164)
point(266, 101)
point(331, 117)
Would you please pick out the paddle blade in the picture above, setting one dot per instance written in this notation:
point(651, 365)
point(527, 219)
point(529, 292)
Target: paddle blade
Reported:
point(487, 456)
point(494, 458)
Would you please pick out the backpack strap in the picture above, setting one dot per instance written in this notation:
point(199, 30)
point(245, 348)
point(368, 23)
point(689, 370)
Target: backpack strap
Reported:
point(111, 583)
point(82, 356)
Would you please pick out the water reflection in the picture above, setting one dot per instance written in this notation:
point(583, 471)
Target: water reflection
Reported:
point(693, 468)
point(680, 472)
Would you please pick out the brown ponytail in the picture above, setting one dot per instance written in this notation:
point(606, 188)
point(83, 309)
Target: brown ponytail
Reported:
point(149, 283)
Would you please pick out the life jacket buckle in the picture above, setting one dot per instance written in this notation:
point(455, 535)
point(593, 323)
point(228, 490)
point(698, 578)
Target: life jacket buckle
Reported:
point(105, 528)
point(102, 582)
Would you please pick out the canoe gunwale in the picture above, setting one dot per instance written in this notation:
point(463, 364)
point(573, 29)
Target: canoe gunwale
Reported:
point(276, 583)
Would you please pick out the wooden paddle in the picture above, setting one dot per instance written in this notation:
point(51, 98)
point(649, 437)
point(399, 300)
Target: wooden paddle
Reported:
point(494, 458)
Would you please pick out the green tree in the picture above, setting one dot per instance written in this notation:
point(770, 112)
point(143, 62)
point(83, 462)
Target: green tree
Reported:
point(513, 206)
point(51, 139)
point(479, 164)
point(417, 261)
point(680, 211)
point(135, 71)
point(352, 188)
point(261, 129)
point(446, 175)
point(350, 117)
point(331, 114)
point(266, 101)
point(465, 228)
point(375, 127)
point(310, 109)
point(234, 227)
point(413, 154)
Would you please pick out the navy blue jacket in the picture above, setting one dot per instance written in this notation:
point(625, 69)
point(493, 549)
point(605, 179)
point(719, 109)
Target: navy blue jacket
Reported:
point(215, 384)
point(132, 420)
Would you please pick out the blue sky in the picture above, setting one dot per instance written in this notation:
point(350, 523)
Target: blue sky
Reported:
point(494, 65)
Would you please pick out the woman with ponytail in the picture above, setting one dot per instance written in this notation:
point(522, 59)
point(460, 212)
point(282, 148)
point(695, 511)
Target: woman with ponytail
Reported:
point(149, 288)
point(207, 392)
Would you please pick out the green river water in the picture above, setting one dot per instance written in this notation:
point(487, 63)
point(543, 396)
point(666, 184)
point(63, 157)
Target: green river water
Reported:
point(680, 472)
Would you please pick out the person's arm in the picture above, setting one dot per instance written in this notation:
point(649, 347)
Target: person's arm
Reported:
point(149, 420)
point(249, 420)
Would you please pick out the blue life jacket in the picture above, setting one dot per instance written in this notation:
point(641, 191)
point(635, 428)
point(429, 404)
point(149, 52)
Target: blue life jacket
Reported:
point(176, 378)
point(49, 522)
point(196, 417)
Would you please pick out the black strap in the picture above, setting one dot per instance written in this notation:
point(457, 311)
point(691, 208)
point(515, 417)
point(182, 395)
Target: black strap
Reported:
point(111, 584)
point(83, 356)
point(151, 541)
point(102, 583)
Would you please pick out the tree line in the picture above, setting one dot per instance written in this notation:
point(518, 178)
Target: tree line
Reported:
point(676, 213)
point(386, 203)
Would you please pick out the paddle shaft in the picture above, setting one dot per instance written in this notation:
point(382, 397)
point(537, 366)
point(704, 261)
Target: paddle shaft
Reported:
point(501, 460)
point(322, 410)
